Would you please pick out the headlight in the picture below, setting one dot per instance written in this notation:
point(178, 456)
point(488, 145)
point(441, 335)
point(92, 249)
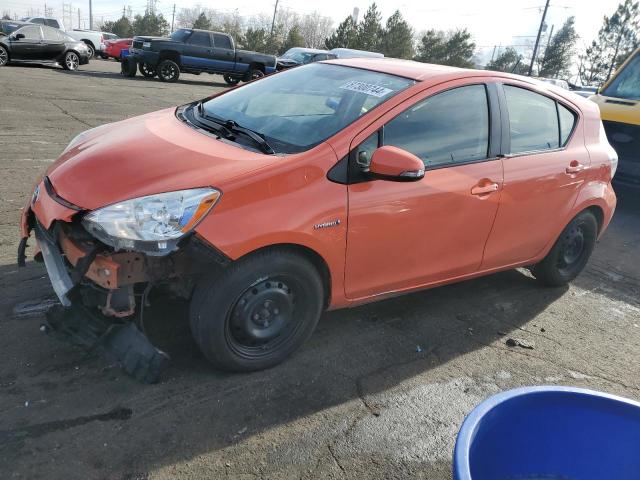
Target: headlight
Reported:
point(152, 224)
point(146, 44)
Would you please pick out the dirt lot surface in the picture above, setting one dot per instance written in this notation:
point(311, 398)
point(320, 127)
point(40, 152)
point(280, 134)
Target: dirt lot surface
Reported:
point(378, 392)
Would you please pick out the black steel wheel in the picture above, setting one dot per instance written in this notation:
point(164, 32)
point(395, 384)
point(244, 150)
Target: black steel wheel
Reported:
point(71, 61)
point(168, 71)
point(257, 311)
point(569, 255)
point(4, 56)
point(147, 70)
point(231, 80)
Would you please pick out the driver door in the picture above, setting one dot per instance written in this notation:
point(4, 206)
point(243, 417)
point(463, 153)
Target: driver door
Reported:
point(403, 235)
point(26, 48)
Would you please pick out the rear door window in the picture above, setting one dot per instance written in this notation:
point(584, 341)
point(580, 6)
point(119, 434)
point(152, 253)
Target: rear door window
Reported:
point(50, 34)
point(222, 41)
point(447, 128)
point(202, 39)
point(51, 22)
point(533, 120)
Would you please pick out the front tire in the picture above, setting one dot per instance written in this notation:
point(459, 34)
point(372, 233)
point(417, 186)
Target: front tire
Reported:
point(71, 61)
point(168, 71)
point(4, 56)
point(570, 253)
point(147, 70)
point(258, 311)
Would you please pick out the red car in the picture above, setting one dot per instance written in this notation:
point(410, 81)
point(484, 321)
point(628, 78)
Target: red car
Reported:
point(113, 48)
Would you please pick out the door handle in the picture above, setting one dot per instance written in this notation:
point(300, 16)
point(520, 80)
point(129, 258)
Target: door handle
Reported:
point(574, 167)
point(484, 189)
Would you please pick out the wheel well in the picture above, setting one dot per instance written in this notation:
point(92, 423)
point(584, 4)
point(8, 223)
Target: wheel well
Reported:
point(89, 42)
point(311, 255)
point(598, 213)
point(259, 66)
point(169, 55)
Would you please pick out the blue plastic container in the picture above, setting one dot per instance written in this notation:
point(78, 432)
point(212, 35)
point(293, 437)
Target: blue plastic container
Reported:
point(550, 433)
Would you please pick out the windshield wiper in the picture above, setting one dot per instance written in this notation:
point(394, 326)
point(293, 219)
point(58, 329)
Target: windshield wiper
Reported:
point(227, 128)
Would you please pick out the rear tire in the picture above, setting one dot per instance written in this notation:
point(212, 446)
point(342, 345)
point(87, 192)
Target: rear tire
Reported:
point(255, 74)
point(231, 80)
point(258, 311)
point(92, 51)
point(570, 253)
point(168, 71)
point(147, 70)
point(71, 61)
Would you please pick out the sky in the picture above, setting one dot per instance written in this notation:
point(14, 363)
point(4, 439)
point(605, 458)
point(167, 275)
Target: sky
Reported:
point(491, 22)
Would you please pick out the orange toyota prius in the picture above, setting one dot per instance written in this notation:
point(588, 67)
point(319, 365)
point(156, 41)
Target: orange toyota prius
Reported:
point(322, 187)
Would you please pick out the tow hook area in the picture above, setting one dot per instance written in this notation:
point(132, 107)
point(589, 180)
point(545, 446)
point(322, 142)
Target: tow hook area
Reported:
point(117, 340)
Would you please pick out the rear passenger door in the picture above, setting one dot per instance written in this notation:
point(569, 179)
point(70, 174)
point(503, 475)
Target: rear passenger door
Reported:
point(197, 52)
point(53, 45)
point(543, 172)
point(224, 54)
point(403, 235)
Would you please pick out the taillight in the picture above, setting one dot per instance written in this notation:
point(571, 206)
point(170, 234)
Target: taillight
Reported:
point(611, 153)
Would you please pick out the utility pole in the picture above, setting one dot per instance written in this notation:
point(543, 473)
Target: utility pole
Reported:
point(535, 48)
point(494, 52)
point(123, 10)
point(273, 22)
point(173, 16)
point(548, 42)
point(78, 18)
point(91, 14)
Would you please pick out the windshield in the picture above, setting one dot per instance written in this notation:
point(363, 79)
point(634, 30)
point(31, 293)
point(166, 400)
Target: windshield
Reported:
point(298, 56)
point(180, 35)
point(300, 108)
point(626, 84)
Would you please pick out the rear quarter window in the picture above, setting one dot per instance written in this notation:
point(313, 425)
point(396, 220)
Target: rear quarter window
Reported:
point(567, 121)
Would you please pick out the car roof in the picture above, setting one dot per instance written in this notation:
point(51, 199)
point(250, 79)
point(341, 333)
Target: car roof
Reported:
point(404, 68)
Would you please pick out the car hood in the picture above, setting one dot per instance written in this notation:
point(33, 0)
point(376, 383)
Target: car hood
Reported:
point(144, 155)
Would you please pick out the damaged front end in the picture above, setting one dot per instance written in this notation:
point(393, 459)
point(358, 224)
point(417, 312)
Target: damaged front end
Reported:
point(102, 285)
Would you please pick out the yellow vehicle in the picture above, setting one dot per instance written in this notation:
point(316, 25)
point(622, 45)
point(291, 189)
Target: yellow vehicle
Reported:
point(619, 101)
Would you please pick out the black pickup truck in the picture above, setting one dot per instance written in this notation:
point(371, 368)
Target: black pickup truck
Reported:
point(196, 51)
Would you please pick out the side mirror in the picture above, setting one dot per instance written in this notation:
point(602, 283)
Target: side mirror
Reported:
point(393, 163)
point(18, 36)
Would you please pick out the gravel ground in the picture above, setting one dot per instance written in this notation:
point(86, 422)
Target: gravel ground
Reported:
point(379, 391)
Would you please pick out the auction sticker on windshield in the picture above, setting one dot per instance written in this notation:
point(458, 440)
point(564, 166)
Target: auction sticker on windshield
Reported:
point(367, 88)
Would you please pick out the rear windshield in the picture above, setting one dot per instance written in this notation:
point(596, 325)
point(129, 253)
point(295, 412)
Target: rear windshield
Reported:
point(300, 108)
point(626, 84)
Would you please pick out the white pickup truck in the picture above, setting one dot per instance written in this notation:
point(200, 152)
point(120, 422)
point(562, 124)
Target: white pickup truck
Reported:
point(93, 39)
